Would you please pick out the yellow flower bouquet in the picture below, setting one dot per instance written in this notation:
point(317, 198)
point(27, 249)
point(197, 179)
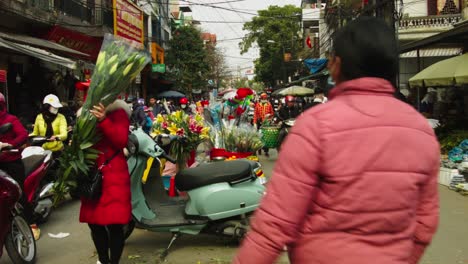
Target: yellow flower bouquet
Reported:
point(191, 129)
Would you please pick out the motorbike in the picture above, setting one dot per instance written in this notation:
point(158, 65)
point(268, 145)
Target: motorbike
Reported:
point(284, 131)
point(37, 186)
point(15, 233)
point(220, 195)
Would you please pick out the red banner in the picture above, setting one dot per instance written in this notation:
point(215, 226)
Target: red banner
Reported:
point(75, 40)
point(128, 21)
point(3, 76)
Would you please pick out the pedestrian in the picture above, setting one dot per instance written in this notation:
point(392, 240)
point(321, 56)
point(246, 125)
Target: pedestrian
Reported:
point(149, 120)
point(356, 179)
point(184, 106)
point(11, 162)
point(107, 215)
point(319, 98)
point(138, 116)
point(427, 103)
point(263, 112)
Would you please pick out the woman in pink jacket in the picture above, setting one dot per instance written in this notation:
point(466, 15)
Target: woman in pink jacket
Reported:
point(356, 180)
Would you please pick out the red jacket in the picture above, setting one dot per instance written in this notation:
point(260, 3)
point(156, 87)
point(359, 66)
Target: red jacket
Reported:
point(355, 183)
point(114, 206)
point(16, 136)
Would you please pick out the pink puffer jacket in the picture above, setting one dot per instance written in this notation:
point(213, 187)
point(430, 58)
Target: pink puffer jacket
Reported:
point(355, 183)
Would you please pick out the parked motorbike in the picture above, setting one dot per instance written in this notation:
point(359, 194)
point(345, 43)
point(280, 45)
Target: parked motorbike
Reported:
point(220, 195)
point(15, 232)
point(37, 187)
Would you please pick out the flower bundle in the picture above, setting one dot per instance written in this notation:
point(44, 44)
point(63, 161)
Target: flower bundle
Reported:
point(189, 127)
point(243, 138)
point(117, 65)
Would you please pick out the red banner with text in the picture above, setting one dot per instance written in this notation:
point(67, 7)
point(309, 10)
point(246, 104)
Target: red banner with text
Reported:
point(128, 20)
point(76, 41)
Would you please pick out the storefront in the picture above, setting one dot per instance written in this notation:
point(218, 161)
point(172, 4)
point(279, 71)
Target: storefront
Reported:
point(35, 67)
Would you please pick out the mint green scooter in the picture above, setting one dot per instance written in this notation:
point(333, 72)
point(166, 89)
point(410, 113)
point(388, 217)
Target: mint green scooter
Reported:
point(220, 195)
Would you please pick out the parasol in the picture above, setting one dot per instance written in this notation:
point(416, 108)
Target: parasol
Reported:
point(296, 90)
point(443, 73)
point(169, 94)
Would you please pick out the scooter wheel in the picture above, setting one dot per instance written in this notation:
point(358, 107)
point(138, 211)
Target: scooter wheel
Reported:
point(128, 229)
point(19, 243)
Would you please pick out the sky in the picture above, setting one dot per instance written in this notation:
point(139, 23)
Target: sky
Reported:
point(229, 31)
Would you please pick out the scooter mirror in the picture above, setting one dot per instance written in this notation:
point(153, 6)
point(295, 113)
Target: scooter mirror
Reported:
point(164, 140)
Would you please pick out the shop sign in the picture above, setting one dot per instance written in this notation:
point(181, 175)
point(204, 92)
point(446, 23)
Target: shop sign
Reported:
point(76, 41)
point(3, 76)
point(161, 68)
point(128, 20)
point(157, 53)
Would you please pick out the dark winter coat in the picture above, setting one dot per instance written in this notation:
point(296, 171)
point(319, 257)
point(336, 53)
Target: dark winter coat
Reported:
point(114, 206)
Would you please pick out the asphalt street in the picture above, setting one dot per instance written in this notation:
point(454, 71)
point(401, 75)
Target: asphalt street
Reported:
point(450, 245)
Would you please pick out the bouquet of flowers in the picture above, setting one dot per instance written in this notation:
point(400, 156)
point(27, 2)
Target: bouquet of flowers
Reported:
point(243, 138)
point(117, 65)
point(190, 127)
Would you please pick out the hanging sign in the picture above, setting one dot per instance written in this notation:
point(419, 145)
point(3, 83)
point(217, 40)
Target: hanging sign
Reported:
point(128, 20)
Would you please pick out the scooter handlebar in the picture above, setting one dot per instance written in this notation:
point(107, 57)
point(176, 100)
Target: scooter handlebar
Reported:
point(167, 157)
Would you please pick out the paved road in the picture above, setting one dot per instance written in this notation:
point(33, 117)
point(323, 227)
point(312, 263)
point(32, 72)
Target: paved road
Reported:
point(450, 245)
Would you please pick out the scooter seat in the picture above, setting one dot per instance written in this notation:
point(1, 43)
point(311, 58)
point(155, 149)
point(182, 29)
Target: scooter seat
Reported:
point(217, 172)
point(32, 162)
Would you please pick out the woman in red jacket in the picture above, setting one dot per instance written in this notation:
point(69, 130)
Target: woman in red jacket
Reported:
point(11, 162)
point(107, 215)
point(356, 178)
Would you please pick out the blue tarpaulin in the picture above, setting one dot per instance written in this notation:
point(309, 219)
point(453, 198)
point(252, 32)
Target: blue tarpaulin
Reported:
point(315, 65)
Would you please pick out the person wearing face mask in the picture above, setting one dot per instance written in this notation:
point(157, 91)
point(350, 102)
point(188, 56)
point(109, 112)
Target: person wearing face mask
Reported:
point(184, 106)
point(49, 123)
point(364, 184)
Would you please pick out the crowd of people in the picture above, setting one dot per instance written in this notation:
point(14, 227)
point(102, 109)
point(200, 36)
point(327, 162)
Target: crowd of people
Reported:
point(358, 174)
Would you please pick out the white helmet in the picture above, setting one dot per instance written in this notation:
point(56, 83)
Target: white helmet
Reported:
point(52, 100)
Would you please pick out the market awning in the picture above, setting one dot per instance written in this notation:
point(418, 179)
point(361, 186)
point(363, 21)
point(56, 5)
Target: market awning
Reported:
point(40, 43)
point(438, 52)
point(38, 53)
point(456, 37)
point(320, 74)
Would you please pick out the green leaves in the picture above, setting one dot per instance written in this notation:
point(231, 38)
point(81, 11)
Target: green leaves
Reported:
point(107, 82)
point(275, 30)
point(187, 57)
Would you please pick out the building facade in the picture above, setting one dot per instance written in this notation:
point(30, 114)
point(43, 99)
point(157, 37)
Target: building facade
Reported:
point(422, 19)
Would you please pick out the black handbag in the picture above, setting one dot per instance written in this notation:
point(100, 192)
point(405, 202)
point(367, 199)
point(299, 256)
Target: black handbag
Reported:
point(90, 186)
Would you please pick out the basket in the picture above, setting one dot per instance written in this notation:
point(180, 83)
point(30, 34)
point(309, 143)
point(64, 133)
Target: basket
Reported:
point(270, 136)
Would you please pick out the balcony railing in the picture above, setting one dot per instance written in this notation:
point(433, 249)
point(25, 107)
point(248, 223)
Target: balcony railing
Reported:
point(430, 21)
point(42, 4)
point(75, 9)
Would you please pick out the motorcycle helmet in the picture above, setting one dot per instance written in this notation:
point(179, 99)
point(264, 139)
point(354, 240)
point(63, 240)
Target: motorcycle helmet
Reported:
point(289, 98)
point(183, 101)
point(141, 101)
point(263, 96)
